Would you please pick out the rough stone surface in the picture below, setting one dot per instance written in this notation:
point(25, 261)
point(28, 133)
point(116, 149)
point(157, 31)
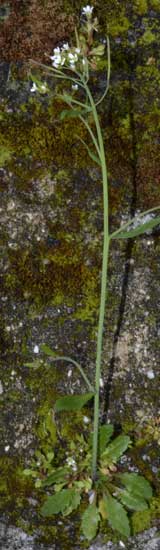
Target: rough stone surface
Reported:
point(149, 540)
point(12, 538)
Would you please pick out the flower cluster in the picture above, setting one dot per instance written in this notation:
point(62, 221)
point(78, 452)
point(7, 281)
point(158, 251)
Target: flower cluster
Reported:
point(65, 56)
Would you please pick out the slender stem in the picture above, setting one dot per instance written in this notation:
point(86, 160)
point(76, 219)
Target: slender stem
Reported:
point(70, 360)
point(65, 97)
point(91, 134)
point(108, 73)
point(103, 285)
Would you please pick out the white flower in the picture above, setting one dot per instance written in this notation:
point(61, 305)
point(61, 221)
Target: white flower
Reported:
point(150, 374)
point(66, 46)
point(74, 86)
point(36, 349)
point(73, 58)
point(71, 462)
point(91, 497)
point(86, 420)
point(77, 50)
point(56, 59)
point(43, 88)
point(34, 87)
point(69, 373)
point(87, 10)
point(7, 447)
point(57, 51)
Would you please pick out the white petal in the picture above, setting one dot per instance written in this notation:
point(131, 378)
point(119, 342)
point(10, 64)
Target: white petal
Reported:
point(66, 46)
point(34, 87)
point(36, 349)
point(87, 10)
point(86, 420)
point(150, 374)
point(57, 50)
point(74, 86)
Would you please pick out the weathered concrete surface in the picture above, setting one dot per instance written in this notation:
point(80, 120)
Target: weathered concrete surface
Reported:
point(12, 538)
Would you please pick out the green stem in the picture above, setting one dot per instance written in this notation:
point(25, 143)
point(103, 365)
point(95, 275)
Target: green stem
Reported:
point(70, 360)
point(104, 275)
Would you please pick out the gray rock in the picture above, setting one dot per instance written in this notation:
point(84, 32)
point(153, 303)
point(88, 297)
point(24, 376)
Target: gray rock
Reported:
point(148, 540)
point(13, 538)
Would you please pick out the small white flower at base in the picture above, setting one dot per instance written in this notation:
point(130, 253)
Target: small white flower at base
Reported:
point(91, 496)
point(7, 447)
point(69, 373)
point(71, 462)
point(36, 349)
point(43, 88)
point(86, 420)
point(34, 87)
point(101, 383)
point(87, 10)
point(74, 86)
point(121, 544)
point(150, 374)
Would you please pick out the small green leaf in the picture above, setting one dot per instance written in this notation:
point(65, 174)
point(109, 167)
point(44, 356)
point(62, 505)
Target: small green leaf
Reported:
point(116, 449)
point(142, 228)
point(98, 51)
point(76, 499)
point(90, 520)
point(105, 433)
point(72, 402)
point(34, 365)
point(133, 502)
point(57, 476)
point(137, 485)
point(94, 157)
point(51, 427)
point(90, 153)
point(5, 155)
point(68, 113)
point(117, 515)
point(47, 350)
point(58, 503)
